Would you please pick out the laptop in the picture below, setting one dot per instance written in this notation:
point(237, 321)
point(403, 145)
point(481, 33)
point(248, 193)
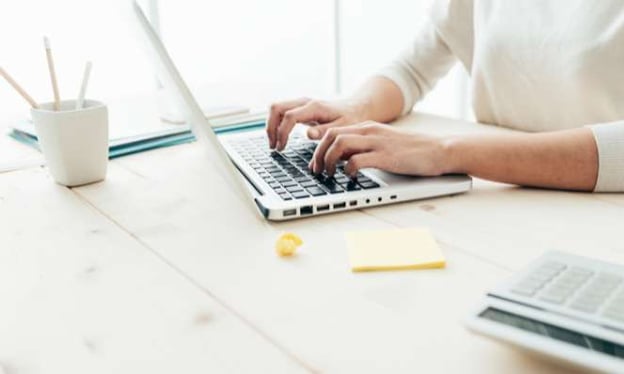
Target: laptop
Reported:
point(565, 307)
point(280, 183)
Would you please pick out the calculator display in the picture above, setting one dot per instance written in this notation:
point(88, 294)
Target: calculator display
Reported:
point(554, 332)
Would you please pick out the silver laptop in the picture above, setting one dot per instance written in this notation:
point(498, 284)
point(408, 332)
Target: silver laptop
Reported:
point(279, 182)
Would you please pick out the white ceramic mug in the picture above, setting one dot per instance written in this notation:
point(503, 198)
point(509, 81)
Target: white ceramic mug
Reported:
point(74, 142)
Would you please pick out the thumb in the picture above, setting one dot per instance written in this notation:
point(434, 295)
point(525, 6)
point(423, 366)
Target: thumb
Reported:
point(318, 131)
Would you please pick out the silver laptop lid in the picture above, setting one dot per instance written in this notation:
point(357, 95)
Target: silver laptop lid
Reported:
point(172, 81)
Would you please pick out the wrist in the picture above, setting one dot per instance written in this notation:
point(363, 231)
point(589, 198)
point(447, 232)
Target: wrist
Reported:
point(454, 156)
point(360, 108)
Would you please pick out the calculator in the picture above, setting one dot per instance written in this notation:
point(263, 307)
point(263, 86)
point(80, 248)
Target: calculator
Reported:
point(563, 306)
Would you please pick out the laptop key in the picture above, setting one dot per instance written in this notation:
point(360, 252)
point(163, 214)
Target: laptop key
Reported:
point(309, 183)
point(285, 197)
point(293, 189)
point(368, 185)
point(289, 183)
point(332, 186)
point(316, 191)
point(300, 195)
point(351, 186)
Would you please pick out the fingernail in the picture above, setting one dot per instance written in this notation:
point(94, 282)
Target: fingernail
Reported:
point(314, 133)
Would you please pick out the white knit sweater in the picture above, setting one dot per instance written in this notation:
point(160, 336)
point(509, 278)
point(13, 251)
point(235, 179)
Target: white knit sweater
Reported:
point(535, 65)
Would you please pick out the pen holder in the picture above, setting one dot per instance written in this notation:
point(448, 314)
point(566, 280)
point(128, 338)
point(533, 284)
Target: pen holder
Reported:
point(74, 142)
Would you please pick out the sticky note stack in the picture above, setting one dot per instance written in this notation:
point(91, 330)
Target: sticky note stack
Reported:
point(400, 249)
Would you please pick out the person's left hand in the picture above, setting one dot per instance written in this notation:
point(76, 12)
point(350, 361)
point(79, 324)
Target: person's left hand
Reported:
point(374, 145)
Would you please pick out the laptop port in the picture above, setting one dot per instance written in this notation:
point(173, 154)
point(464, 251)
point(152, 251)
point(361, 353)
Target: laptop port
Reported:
point(340, 205)
point(306, 210)
point(322, 208)
point(393, 197)
point(290, 212)
point(353, 203)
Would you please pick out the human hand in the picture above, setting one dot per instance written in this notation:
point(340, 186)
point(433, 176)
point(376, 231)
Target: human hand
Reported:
point(374, 145)
point(320, 115)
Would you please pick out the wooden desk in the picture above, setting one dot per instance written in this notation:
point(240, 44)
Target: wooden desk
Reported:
point(161, 269)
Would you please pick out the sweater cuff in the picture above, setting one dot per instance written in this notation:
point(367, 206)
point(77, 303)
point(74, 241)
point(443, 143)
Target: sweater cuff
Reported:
point(394, 74)
point(610, 143)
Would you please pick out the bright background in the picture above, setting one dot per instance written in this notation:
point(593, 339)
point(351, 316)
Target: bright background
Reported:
point(235, 52)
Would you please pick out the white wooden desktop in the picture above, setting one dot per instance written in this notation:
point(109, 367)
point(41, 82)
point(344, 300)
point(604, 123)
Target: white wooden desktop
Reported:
point(161, 269)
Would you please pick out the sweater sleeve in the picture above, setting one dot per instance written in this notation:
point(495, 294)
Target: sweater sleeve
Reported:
point(444, 37)
point(610, 143)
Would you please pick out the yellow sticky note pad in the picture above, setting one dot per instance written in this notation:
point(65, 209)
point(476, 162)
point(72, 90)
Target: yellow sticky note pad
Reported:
point(400, 249)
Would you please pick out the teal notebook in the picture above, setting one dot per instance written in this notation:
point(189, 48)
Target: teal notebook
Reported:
point(126, 144)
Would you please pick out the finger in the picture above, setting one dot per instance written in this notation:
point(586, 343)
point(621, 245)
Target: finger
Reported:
point(309, 112)
point(317, 131)
point(344, 147)
point(326, 142)
point(362, 161)
point(276, 112)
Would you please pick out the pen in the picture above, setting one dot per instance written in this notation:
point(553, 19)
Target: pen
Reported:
point(57, 99)
point(83, 86)
point(18, 88)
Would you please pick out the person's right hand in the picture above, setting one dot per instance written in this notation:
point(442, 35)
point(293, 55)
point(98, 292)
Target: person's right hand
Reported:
point(319, 115)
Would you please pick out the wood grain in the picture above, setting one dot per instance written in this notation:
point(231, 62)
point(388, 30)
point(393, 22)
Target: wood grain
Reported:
point(80, 295)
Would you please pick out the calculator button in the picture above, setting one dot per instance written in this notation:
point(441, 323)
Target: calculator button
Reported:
point(524, 291)
point(608, 280)
point(616, 314)
point(553, 297)
point(600, 287)
point(585, 307)
point(528, 287)
point(553, 265)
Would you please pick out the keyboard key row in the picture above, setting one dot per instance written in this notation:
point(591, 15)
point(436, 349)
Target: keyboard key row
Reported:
point(287, 172)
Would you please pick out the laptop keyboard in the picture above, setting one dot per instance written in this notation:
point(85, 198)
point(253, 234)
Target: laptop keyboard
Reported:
point(287, 172)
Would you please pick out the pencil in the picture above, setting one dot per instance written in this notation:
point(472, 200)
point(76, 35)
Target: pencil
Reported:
point(18, 88)
point(57, 99)
point(83, 86)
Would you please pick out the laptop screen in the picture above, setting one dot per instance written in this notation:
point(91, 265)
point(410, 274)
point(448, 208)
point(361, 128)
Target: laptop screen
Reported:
point(554, 332)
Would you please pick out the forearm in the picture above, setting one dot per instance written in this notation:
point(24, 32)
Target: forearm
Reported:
point(563, 159)
point(378, 99)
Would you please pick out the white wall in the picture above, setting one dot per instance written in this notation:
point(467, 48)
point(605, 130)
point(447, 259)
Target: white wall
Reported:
point(231, 52)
